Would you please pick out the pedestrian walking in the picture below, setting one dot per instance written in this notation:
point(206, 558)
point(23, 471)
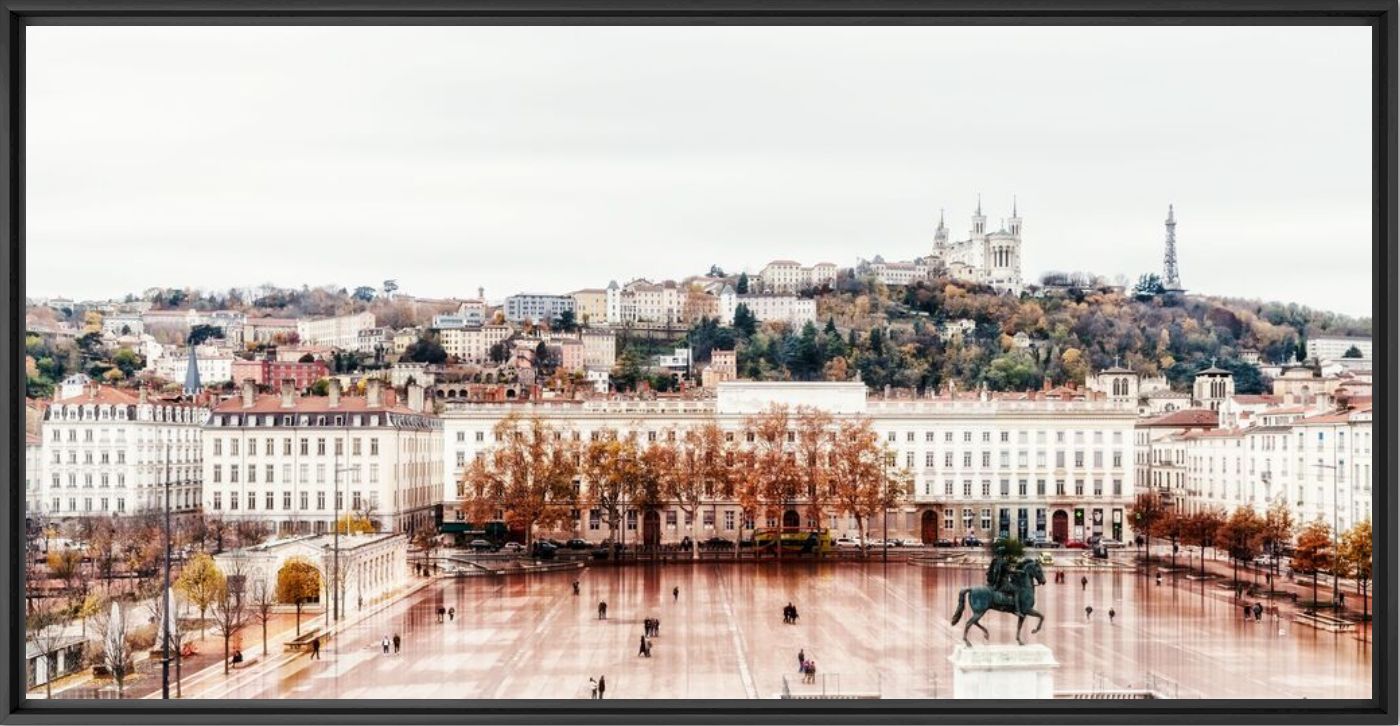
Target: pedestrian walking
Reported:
point(602, 686)
point(1084, 582)
point(576, 593)
point(602, 610)
point(675, 594)
point(811, 671)
point(1258, 612)
point(1111, 614)
point(801, 659)
point(1341, 600)
point(1159, 578)
point(642, 647)
point(1247, 612)
point(315, 648)
point(593, 685)
point(384, 645)
point(396, 642)
point(655, 627)
point(440, 612)
point(451, 614)
point(1088, 611)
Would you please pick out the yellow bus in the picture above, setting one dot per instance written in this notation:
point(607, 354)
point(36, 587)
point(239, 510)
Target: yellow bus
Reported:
point(800, 541)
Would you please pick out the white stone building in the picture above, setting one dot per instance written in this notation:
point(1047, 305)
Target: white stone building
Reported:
point(279, 459)
point(795, 311)
point(642, 302)
point(473, 344)
point(373, 567)
point(1335, 346)
point(341, 332)
point(1024, 465)
point(537, 307)
point(108, 451)
point(787, 276)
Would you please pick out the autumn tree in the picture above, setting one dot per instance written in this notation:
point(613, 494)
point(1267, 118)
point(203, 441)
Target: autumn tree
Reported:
point(862, 476)
point(814, 459)
point(297, 581)
point(612, 465)
point(1200, 528)
point(1313, 553)
point(773, 480)
point(67, 565)
point(1356, 553)
point(529, 476)
point(1278, 530)
point(1240, 535)
point(700, 475)
point(201, 583)
point(351, 523)
point(1147, 514)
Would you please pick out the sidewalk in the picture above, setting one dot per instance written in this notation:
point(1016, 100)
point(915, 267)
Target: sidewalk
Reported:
point(1224, 570)
point(212, 681)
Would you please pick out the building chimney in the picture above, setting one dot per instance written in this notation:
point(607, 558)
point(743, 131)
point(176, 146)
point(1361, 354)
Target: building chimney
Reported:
point(415, 397)
point(250, 392)
point(374, 393)
point(333, 391)
point(288, 392)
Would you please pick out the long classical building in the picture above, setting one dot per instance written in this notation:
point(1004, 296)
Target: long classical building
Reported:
point(108, 451)
point(1030, 464)
point(292, 462)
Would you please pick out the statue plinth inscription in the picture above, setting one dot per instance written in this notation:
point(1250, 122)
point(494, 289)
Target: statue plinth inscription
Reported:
point(1003, 671)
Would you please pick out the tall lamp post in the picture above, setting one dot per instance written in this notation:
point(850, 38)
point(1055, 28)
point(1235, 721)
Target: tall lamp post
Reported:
point(1336, 580)
point(335, 536)
point(165, 592)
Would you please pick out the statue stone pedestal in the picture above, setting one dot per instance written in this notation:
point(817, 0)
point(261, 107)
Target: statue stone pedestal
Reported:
point(1003, 671)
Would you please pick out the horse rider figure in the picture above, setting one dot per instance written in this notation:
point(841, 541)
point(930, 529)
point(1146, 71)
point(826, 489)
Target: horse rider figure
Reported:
point(999, 574)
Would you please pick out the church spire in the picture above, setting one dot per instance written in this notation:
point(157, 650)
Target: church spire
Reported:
point(192, 384)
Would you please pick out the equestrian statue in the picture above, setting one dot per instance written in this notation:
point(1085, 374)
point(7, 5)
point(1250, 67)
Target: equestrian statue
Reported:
point(1011, 583)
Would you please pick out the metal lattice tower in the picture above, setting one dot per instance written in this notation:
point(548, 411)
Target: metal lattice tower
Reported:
point(1171, 278)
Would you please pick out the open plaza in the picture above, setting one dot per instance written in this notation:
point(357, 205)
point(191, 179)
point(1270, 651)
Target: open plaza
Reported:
point(872, 629)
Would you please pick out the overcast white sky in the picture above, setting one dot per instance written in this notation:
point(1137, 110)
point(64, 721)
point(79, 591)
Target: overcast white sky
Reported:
point(549, 159)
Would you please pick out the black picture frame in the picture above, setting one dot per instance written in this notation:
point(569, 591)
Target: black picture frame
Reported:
point(1379, 15)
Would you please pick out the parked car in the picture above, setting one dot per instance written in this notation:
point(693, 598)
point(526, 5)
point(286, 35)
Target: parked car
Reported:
point(577, 544)
point(481, 545)
point(943, 543)
point(971, 542)
point(544, 550)
point(1112, 544)
point(1046, 558)
point(846, 542)
point(513, 547)
point(900, 542)
point(716, 543)
point(1075, 544)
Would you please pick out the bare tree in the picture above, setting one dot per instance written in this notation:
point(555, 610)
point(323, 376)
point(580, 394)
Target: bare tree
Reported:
point(44, 627)
point(169, 624)
point(264, 597)
point(114, 624)
point(231, 606)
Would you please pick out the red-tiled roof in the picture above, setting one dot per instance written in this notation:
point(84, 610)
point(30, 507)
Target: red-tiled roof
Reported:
point(105, 395)
point(1255, 398)
point(1185, 418)
point(272, 403)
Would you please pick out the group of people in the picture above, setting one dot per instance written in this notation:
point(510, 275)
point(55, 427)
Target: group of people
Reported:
point(806, 666)
point(1257, 610)
point(1089, 612)
point(600, 685)
point(451, 613)
point(790, 614)
point(387, 642)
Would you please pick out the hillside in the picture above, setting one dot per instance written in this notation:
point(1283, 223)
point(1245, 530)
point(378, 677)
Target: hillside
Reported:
point(898, 336)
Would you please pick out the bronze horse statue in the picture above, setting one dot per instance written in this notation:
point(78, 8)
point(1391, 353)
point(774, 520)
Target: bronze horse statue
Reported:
point(1018, 599)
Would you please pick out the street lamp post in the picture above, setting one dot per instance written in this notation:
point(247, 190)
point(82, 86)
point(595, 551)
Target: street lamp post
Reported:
point(165, 592)
point(1336, 497)
point(335, 536)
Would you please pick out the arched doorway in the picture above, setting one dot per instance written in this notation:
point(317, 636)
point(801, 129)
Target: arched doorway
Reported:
point(1059, 526)
point(791, 520)
point(928, 527)
point(651, 528)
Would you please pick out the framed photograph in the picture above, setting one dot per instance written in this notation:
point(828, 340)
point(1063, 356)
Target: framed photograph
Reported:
point(713, 362)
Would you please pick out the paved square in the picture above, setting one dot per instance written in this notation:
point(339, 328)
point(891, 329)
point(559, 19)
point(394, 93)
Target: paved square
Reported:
point(871, 628)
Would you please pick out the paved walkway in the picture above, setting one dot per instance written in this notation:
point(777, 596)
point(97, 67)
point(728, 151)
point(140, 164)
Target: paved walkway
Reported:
point(871, 629)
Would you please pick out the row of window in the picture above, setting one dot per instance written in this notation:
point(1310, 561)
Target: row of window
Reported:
point(235, 471)
point(1023, 488)
point(304, 447)
point(179, 475)
point(303, 500)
